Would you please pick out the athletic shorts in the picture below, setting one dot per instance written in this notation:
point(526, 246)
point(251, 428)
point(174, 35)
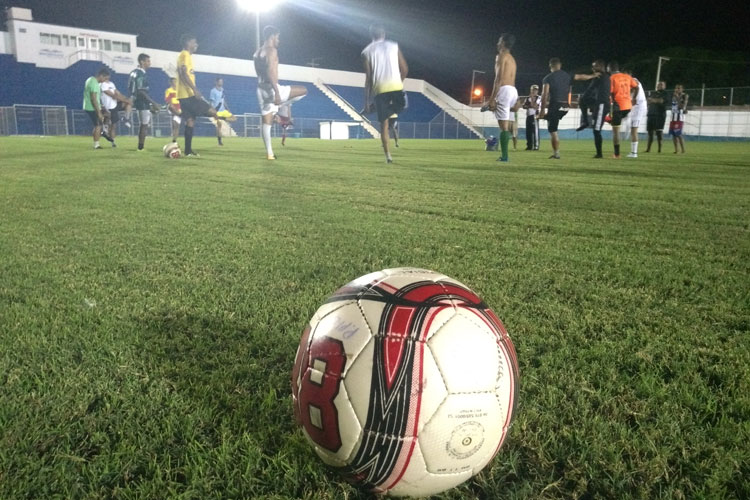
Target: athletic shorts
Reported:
point(598, 112)
point(617, 115)
point(656, 122)
point(637, 115)
point(94, 118)
point(505, 100)
point(675, 128)
point(144, 115)
point(388, 104)
point(266, 97)
point(114, 113)
point(554, 114)
point(193, 107)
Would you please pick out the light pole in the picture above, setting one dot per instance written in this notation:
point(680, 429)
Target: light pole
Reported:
point(471, 93)
point(658, 70)
point(258, 6)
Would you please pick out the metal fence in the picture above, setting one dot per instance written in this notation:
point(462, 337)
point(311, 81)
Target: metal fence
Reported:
point(713, 112)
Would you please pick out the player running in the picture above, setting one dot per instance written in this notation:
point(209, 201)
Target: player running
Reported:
point(192, 103)
point(385, 72)
point(504, 94)
point(273, 98)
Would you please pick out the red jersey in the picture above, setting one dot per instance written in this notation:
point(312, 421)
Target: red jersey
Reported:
point(620, 85)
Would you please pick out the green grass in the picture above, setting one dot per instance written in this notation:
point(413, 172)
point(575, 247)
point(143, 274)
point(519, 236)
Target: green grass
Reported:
point(150, 310)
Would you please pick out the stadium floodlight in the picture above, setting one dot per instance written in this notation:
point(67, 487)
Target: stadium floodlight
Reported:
point(473, 89)
point(258, 6)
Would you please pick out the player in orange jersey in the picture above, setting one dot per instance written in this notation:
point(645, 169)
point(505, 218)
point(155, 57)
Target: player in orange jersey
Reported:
point(623, 89)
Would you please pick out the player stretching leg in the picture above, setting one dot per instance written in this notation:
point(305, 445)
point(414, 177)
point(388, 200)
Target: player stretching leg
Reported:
point(271, 95)
point(385, 71)
point(192, 103)
point(504, 94)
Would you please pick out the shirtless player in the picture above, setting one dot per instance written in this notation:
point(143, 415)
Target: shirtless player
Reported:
point(272, 97)
point(504, 94)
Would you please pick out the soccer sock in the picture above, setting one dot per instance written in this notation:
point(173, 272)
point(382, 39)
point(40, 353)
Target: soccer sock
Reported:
point(634, 147)
point(617, 150)
point(188, 140)
point(504, 139)
point(96, 144)
point(267, 138)
point(598, 141)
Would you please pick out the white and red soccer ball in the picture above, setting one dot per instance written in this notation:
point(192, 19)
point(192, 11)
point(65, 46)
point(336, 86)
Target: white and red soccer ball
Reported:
point(406, 381)
point(172, 150)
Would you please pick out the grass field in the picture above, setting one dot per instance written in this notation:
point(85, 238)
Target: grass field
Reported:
point(150, 310)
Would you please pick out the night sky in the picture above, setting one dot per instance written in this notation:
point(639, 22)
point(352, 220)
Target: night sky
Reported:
point(443, 41)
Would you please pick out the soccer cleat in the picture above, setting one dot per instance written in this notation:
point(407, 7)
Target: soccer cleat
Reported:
point(270, 157)
point(554, 157)
point(192, 154)
point(632, 155)
point(97, 147)
point(598, 156)
point(127, 123)
point(583, 126)
point(113, 144)
point(503, 159)
point(388, 161)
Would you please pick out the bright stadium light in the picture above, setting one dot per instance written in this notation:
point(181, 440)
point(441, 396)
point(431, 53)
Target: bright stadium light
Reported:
point(477, 92)
point(258, 6)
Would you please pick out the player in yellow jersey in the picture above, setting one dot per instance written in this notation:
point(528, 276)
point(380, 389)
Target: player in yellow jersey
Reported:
point(192, 103)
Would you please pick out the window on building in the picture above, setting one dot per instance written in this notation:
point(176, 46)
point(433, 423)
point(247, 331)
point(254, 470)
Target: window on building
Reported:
point(125, 47)
point(81, 42)
point(107, 44)
point(44, 38)
point(55, 39)
point(117, 46)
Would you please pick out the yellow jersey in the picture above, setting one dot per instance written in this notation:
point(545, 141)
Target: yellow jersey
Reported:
point(185, 59)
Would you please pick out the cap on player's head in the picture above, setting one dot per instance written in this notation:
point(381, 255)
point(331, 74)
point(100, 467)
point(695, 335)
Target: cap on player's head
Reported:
point(555, 63)
point(270, 31)
point(185, 39)
point(508, 40)
point(377, 31)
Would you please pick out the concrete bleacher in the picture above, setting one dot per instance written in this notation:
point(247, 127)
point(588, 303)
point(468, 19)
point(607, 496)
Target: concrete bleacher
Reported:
point(420, 108)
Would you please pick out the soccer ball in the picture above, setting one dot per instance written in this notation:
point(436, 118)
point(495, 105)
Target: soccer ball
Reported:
point(172, 150)
point(406, 382)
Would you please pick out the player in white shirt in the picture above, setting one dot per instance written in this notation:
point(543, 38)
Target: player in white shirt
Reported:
point(385, 71)
point(637, 114)
point(112, 103)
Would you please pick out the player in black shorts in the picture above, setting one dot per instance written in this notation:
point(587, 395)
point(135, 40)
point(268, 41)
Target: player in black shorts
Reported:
point(598, 92)
point(555, 101)
point(657, 114)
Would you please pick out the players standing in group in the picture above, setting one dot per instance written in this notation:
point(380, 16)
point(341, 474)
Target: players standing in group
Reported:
point(504, 94)
point(556, 90)
point(385, 72)
point(273, 98)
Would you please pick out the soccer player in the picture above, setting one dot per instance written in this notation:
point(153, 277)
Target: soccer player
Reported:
point(657, 114)
point(144, 104)
point(679, 108)
point(173, 107)
point(112, 103)
point(555, 102)
point(385, 72)
point(219, 103)
point(598, 99)
point(273, 98)
point(637, 114)
point(623, 89)
point(504, 94)
point(92, 103)
point(532, 104)
point(192, 103)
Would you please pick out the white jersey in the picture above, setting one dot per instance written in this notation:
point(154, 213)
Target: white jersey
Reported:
point(640, 98)
point(383, 58)
point(107, 101)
